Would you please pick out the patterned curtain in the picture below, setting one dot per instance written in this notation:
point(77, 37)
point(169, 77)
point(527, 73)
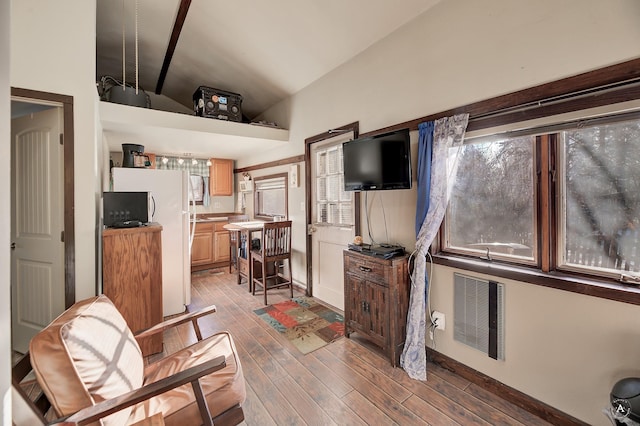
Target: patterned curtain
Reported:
point(448, 135)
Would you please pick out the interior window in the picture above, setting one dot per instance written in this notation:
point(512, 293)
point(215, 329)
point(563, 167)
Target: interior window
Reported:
point(271, 197)
point(492, 211)
point(600, 187)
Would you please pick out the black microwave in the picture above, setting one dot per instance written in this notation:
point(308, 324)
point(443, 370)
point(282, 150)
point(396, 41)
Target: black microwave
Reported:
point(121, 208)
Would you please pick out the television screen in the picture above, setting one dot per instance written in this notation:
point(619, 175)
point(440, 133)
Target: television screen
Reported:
point(378, 162)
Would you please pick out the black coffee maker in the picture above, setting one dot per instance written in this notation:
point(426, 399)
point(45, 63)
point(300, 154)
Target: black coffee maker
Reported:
point(133, 156)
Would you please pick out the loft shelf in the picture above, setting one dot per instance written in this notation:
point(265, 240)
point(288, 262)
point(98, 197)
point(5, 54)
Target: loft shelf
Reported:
point(174, 133)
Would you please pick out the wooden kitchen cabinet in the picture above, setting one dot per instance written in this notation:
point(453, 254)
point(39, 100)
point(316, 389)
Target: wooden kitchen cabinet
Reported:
point(210, 248)
point(376, 302)
point(132, 278)
point(220, 177)
point(222, 242)
point(202, 246)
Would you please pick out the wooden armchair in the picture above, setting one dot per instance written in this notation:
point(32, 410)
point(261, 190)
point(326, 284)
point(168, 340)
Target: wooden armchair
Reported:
point(90, 369)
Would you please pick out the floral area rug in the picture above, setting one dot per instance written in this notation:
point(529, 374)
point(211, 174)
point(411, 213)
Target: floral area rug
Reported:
point(307, 324)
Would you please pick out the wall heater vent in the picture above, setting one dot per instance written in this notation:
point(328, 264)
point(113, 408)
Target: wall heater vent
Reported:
point(479, 314)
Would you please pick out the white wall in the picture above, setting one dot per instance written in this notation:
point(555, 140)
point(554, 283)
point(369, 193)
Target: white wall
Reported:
point(53, 50)
point(5, 215)
point(564, 349)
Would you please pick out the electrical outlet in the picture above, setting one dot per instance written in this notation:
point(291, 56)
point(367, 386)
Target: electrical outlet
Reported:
point(438, 319)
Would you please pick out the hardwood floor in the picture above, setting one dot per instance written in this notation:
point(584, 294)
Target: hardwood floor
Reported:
point(348, 382)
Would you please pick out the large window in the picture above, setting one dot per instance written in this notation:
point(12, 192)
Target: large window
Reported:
point(563, 198)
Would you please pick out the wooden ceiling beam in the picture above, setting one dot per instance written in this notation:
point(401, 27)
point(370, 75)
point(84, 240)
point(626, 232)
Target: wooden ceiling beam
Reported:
point(173, 41)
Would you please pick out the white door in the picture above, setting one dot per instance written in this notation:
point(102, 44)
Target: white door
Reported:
point(37, 255)
point(332, 216)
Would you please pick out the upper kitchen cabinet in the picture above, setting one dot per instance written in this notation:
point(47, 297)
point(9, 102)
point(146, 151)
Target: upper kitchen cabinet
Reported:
point(176, 134)
point(221, 177)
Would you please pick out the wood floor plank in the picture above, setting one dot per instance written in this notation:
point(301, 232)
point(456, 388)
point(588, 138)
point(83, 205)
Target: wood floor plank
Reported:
point(322, 395)
point(384, 401)
point(479, 407)
point(454, 379)
point(428, 412)
point(255, 413)
point(267, 392)
point(306, 407)
point(381, 381)
point(349, 381)
point(510, 409)
point(383, 366)
point(327, 376)
point(457, 395)
point(371, 414)
point(418, 388)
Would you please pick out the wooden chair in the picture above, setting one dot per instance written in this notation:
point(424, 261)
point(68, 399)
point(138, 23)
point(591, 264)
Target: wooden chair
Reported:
point(87, 366)
point(267, 262)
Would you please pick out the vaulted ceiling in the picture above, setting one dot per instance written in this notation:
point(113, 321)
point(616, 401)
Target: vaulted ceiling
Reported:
point(263, 50)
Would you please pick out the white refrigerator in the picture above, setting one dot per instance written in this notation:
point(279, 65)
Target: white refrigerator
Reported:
point(170, 207)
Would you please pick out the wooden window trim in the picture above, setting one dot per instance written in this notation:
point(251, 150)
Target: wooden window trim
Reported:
point(561, 280)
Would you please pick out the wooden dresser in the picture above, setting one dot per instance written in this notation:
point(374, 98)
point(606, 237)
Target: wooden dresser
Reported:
point(376, 301)
point(132, 277)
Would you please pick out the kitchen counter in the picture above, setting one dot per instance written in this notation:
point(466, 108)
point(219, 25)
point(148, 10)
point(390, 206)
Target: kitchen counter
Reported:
point(212, 219)
point(219, 217)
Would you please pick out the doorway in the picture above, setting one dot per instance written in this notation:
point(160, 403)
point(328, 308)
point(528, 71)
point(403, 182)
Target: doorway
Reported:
point(42, 223)
point(333, 215)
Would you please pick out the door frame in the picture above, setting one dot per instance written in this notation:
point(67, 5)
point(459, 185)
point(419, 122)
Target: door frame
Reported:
point(308, 142)
point(28, 95)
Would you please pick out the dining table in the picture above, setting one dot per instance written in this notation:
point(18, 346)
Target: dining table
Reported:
point(241, 247)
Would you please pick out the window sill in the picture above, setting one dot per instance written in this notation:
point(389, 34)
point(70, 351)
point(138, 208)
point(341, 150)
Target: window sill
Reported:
point(610, 289)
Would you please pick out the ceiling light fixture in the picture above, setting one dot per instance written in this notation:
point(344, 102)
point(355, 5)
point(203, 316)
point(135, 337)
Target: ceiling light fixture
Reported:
point(180, 161)
point(209, 163)
point(165, 160)
point(194, 162)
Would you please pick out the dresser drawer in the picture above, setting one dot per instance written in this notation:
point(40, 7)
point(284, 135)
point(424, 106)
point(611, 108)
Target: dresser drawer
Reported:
point(366, 269)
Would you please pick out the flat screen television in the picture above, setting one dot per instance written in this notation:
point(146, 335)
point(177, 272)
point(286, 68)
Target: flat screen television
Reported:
point(378, 162)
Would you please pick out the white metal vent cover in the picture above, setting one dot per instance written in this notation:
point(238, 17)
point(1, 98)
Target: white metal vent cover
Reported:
point(479, 314)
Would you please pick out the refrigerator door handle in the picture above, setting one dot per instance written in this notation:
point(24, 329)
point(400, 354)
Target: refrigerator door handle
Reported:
point(192, 215)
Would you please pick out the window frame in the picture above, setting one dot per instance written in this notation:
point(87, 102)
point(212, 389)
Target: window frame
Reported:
point(490, 255)
point(256, 201)
point(560, 208)
point(607, 86)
